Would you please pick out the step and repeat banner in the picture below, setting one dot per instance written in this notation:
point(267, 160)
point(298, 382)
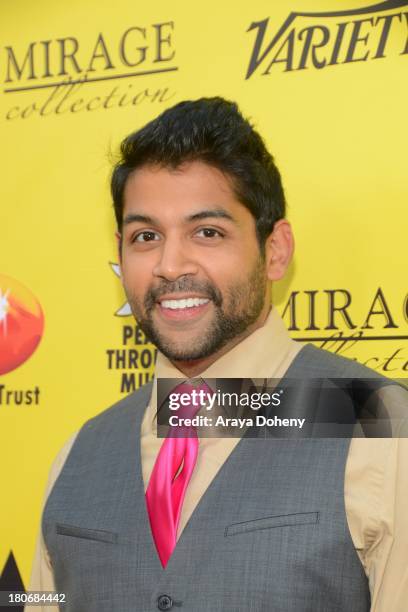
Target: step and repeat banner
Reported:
point(325, 84)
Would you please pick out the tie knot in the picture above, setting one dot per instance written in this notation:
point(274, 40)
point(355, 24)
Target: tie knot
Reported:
point(190, 396)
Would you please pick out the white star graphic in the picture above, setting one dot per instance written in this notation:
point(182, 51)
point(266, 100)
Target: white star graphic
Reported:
point(124, 311)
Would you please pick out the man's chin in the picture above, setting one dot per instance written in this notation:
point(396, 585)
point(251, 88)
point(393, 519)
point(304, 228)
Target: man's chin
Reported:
point(177, 351)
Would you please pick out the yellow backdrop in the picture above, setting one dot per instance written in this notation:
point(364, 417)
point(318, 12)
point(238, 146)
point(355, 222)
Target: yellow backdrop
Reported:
point(323, 81)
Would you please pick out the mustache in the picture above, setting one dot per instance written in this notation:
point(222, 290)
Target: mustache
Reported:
point(183, 285)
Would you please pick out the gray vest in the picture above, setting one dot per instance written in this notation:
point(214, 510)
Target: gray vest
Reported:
point(269, 534)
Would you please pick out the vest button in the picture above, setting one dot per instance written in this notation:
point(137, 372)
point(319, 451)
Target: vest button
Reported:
point(164, 602)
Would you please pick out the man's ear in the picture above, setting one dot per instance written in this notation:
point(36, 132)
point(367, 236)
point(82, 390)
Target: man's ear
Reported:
point(118, 237)
point(279, 249)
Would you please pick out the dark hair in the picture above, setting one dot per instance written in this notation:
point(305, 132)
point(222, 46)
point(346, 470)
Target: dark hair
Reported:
point(211, 130)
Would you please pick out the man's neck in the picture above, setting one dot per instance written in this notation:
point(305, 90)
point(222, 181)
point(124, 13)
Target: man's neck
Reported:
point(194, 367)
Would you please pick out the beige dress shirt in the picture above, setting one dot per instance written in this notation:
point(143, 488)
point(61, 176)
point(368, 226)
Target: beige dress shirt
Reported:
point(376, 476)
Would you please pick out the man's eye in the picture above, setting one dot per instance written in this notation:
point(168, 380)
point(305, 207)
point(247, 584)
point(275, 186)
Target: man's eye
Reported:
point(145, 237)
point(209, 232)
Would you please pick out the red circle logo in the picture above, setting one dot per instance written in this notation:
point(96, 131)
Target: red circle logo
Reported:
point(21, 324)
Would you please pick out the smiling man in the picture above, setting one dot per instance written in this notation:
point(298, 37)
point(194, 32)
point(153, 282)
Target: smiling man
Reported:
point(201, 285)
point(136, 522)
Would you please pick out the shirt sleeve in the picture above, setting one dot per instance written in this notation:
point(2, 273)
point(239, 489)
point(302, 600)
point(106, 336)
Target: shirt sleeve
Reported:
point(376, 497)
point(42, 578)
point(388, 555)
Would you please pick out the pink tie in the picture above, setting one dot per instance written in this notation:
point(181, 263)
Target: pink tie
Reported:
point(166, 488)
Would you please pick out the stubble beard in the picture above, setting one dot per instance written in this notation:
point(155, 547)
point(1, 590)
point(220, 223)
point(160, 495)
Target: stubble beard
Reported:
point(243, 301)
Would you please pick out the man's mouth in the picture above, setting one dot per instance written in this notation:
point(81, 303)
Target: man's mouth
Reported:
point(183, 303)
point(182, 308)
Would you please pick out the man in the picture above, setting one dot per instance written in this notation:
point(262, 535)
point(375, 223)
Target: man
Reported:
point(260, 524)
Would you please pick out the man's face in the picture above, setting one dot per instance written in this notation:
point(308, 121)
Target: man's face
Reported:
point(190, 261)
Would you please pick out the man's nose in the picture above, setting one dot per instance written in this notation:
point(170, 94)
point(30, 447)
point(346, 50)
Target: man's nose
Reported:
point(175, 260)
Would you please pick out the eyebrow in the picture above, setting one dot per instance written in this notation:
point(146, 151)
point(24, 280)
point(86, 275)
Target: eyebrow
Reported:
point(212, 213)
point(132, 218)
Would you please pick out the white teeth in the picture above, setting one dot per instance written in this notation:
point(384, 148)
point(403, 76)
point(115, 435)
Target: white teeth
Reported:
point(180, 304)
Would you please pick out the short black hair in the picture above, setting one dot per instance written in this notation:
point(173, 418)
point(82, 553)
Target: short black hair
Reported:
point(211, 130)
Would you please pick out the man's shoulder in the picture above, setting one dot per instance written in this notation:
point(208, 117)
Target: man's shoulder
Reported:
point(121, 410)
point(320, 363)
point(89, 437)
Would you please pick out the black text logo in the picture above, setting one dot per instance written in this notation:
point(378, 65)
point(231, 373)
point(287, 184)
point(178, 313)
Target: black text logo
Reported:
point(69, 75)
point(320, 40)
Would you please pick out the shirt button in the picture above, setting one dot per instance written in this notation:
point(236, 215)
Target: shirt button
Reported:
point(164, 602)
